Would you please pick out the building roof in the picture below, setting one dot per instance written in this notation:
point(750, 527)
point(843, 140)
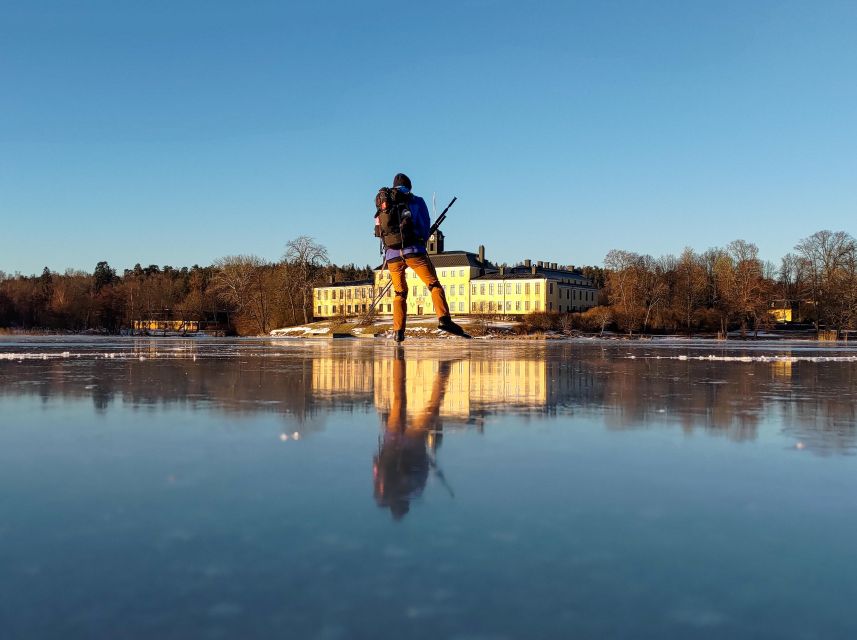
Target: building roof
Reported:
point(455, 259)
point(548, 274)
point(347, 283)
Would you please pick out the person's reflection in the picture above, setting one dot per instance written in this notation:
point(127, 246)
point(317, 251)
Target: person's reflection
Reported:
point(406, 450)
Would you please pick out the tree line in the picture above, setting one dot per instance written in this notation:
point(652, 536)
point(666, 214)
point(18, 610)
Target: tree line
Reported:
point(718, 290)
point(731, 288)
point(245, 294)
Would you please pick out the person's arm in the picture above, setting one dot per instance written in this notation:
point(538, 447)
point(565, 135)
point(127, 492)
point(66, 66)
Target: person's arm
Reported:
point(421, 218)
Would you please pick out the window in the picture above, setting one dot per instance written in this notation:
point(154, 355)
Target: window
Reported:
point(473, 289)
point(389, 308)
point(550, 306)
point(518, 288)
point(550, 287)
point(443, 274)
point(509, 306)
point(482, 306)
point(461, 273)
point(527, 288)
point(461, 289)
point(482, 289)
point(325, 294)
point(537, 305)
point(538, 287)
point(491, 288)
point(473, 306)
point(414, 290)
point(527, 305)
point(425, 291)
point(364, 308)
point(461, 306)
point(517, 305)
point(319, 309)
point(508, 287)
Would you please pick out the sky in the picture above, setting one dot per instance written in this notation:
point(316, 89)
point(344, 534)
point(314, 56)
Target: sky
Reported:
point(182, 132)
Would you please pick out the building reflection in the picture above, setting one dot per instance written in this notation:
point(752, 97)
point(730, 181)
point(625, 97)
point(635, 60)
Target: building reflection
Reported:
point(811, 401)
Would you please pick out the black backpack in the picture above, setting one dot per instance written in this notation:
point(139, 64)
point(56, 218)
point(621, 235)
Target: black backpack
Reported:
point(393, 222)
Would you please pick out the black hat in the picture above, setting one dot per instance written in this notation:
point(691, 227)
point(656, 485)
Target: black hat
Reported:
point(401, 180)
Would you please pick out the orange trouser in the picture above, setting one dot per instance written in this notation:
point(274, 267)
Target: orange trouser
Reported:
point(423, 267)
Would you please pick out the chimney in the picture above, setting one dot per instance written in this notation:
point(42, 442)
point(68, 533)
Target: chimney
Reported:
point(527, 263)
point(332, 279)
point(553, 265)
point(540, 263)
point(482, 253)
point(533, 269)
point(502, 270)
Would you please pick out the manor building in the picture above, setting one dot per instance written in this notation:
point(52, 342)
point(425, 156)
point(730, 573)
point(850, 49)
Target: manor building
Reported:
point(473, 286)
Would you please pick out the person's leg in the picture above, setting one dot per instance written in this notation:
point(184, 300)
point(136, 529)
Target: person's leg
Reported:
point(423, 267)
point(400, 293)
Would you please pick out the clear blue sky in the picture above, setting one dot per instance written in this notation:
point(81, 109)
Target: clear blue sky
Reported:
point(179, 132)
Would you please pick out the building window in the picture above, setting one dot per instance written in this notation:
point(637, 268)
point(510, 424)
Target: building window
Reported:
point(509, 287)
point(527, 288)
point(517, 305)
point(461, 289)
point(518, 287)
point(550, 287)
point(473, 306)
point(414, 290)
point(538, 288)
point(509, 305)
point(461, 306)
point(319, 309)
point(537, 305)
point(443, 274)
point(491, 288)
point(550, 306)
point(425, 291)
point(364, 308)
point(526, 305)
point(473, 289)
point(389, 308)
point(461, 273)
point(482, 289)
point(349, 308)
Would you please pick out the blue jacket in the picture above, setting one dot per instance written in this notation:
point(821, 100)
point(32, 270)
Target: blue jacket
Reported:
point(422, 223)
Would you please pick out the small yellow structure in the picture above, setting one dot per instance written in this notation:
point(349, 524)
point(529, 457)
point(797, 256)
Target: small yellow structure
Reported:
point(162, 326)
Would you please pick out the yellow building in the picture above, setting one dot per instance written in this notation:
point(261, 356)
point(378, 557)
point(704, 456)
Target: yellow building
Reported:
point(472, 285)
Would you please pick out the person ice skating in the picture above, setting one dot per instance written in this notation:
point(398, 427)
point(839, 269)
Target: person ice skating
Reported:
point(402, 222)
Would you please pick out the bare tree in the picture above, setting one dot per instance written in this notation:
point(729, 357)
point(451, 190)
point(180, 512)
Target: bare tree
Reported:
point(308, 258)
point(245, 283)
point(825, 255)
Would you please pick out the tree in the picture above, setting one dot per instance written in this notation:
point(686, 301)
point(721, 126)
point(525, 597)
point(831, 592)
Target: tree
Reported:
point(825, 257)
point(102, 276)
point(308, 257)
point(244, 283)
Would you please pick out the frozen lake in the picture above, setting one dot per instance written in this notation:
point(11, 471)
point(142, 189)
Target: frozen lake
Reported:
point(171, 488)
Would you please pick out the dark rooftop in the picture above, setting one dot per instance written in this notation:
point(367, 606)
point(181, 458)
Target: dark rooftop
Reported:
point(456, 259)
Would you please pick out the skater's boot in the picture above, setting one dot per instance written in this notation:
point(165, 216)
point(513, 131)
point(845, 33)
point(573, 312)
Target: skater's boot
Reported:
point(399, 335)
point(445, 323)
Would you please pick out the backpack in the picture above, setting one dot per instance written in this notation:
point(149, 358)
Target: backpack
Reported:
point(393, 222)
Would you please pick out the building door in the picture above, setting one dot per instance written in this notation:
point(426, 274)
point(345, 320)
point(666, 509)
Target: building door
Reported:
point(419, 310)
